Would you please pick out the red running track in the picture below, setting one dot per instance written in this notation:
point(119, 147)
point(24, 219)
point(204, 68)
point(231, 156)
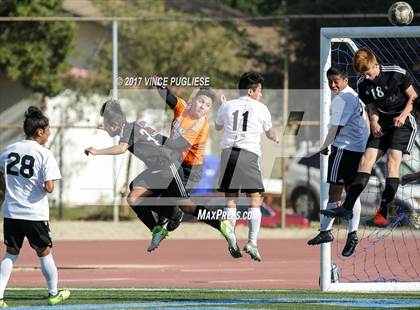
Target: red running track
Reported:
point(287, 264)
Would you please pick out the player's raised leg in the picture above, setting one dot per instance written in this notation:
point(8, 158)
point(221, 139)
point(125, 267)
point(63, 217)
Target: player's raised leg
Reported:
point(358, 185)
point(391, 186)
point(142, 210)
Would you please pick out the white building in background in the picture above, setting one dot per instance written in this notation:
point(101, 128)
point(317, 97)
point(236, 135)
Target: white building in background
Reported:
point(91, 179)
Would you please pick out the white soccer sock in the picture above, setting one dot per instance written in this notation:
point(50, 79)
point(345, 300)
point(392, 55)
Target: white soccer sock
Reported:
point(327, 222)
point(353, 224)
point(231, 215)
point(49, 270)
point(254, 223)
point(6, 267)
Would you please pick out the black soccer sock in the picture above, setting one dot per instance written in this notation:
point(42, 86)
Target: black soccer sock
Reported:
point(212, 222)
point(167, 211)
point(352, 233)
point(356, 188)
point(391, 187)
point(145, 215)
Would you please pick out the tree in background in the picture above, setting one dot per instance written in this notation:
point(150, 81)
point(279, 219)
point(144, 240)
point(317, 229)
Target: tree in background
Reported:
point(254, 7)
point(170, 48)
point(265, 57)
point(34, 53)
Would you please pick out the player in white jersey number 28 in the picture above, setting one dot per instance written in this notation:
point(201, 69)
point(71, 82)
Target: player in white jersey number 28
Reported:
point(27, 174)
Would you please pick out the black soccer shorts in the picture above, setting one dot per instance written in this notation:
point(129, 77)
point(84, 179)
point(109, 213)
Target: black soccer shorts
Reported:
point(37, 232)
point(342, 166)
point(166, 182)
point(396, 138)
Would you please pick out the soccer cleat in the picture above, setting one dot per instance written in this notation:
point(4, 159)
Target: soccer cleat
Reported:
point(351, 243)
point(158, 234)
point(228, 233)
point(379, 220)
point(58, 298)
point(235, 251)
point(322, 237)
point(175, 222)
point(3, 304)
point(252, 250)
point(338, 212)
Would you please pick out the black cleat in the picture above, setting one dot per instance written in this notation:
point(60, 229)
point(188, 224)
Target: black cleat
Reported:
point(322, 237)
point(338, 212)
point(176, 221)
point(351, 243)
point(228, 232)
point(235, 251)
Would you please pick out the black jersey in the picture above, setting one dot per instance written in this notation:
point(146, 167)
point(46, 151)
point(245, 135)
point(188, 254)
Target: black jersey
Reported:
point(147, 145)
point(387, 91)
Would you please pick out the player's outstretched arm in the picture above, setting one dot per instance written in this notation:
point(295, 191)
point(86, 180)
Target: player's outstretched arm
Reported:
point(272, 135)
point(166, 94)
point(113, 150)
point(332, 132)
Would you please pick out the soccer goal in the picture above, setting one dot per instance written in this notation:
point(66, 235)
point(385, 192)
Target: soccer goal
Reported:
point(386, 259)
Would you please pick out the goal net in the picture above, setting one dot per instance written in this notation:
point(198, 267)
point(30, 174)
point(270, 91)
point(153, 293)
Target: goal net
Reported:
point(385, 258)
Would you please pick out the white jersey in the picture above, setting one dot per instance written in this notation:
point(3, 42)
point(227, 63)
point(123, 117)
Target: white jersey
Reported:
point(244, 120)
point(347, 111)
point(26, 165)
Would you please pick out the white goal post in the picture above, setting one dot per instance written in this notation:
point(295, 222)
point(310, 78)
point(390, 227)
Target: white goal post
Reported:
point(327, 36)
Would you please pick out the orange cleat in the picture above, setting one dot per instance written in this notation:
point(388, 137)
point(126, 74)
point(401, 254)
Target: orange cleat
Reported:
point(379, 220)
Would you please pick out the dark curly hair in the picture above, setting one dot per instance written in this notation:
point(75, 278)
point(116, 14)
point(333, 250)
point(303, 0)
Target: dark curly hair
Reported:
point(34, 120)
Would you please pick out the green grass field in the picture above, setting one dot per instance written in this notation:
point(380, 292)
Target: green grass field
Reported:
point(117, 298)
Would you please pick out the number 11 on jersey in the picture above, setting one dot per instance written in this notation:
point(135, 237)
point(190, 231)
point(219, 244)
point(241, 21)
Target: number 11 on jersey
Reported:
point(244, 122)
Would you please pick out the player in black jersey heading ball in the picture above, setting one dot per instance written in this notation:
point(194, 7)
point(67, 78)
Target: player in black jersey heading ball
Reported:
point(389, 94)
point(161, 178)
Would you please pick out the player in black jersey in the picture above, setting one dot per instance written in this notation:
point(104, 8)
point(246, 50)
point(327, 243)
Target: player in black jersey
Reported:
point(389, 94)
point(160, 179)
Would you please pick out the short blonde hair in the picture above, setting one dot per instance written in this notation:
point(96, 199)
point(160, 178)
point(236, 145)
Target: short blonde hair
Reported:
point(364, 60)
